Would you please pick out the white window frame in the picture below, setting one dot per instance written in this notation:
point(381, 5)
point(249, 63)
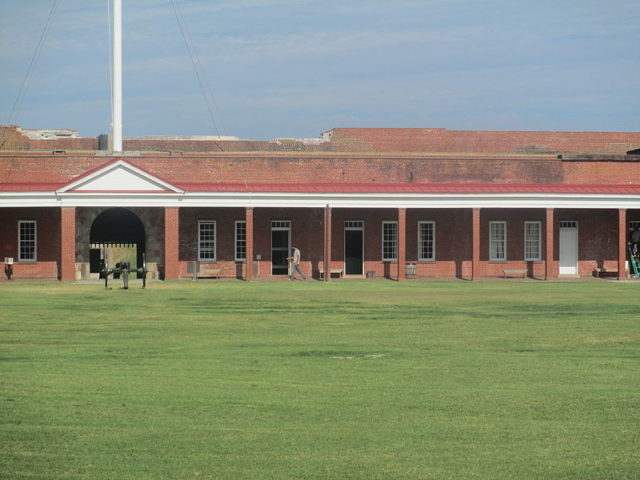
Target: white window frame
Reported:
point(354, 225)
point(390, 243)
point(569, 224)
point(532, 244)
point(422, 241)
point(201, 250)
point(23, 243)
point(240, 240)
point(500, 243)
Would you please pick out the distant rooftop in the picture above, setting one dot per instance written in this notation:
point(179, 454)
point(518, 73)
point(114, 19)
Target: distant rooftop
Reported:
point(344, 140)
point(202, 138)
point(46, 134)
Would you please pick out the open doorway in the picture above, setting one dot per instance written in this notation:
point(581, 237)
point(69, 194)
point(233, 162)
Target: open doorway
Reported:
point(117, 234)
point(280, 246)
point(353, 247)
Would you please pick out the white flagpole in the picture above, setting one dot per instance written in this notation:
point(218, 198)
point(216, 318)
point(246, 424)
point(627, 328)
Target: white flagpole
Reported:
point(117, 76)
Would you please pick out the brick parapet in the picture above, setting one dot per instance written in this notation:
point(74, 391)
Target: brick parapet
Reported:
point(328, 169)
point(481, 141)
point(380, 140)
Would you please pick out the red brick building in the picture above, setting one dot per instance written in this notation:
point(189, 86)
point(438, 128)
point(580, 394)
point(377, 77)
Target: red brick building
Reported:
point(359, 202)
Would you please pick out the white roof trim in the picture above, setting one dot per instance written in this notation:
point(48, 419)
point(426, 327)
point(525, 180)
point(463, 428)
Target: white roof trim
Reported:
point(119, 177)
point(76, 198)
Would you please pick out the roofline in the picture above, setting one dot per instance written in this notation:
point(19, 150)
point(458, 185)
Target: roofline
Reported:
point(288, 155)
point(110, 165)
point(480, 130)
point(320, 200)
point(315, 188)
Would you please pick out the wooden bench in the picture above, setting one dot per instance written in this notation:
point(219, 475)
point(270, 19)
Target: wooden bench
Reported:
point(515, 272)
point(333, 271)
point(206, 270)
point(599, 271)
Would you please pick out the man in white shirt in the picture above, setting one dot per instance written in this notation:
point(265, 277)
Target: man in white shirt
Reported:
point(295, 264)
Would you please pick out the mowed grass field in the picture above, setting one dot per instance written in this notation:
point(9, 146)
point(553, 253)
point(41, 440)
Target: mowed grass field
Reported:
point(346, 380)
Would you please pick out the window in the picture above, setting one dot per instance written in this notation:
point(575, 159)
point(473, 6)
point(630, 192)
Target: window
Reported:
point(27, 241)
point(206, 240)
point(389, 241)
point(426, 241)
point(241, 241)
point(569, 224)
point(532, 241)
point(353, 225)
point(497, 241)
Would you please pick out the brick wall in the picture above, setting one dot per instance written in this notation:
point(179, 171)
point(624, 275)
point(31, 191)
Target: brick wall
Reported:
point(480, 141)
point(11, 139)
point(381, 140)
point(453, 242)
point(265, 168)
point(598, 229)
point(598, 240)
point(48, 244)
point(225, 238)
point(201, 146)
point(82, 143)
point(372, 238)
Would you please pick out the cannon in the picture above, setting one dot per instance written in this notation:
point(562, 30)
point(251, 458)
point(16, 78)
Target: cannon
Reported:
point(122, 269)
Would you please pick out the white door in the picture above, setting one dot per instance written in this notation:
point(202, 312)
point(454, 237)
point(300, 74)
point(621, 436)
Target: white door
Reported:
point(568, 248)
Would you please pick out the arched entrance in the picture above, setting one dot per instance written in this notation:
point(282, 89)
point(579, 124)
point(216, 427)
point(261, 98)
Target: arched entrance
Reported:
point(116, 234)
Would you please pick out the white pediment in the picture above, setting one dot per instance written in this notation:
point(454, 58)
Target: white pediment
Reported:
point(118, 177)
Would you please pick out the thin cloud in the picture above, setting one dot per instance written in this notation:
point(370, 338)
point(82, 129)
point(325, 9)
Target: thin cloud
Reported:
point(293, 68)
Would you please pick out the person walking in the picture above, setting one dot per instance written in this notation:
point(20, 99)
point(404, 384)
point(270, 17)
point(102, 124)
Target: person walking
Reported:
point(295, 264)
point(635, 240)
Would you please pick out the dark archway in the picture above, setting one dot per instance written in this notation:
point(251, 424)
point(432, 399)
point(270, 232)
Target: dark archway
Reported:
point(115, 226)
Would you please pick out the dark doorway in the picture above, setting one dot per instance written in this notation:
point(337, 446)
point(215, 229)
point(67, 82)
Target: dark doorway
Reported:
point(115, 226)
point(280, 247)
point(353, 248)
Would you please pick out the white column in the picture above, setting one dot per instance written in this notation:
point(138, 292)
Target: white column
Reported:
point(117, 76)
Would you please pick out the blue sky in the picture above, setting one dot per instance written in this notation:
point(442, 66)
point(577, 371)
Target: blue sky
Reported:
point(285, 68)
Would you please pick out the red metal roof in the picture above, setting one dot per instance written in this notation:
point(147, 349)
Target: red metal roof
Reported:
point(365, 188)
point(30, 187)
point(410, 188)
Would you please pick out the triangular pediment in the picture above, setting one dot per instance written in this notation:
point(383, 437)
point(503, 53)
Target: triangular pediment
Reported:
point(119, 177)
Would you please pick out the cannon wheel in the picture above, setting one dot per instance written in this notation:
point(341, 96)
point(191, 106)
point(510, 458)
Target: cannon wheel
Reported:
point(105, 269)
point(105, 274)
point(144, 270)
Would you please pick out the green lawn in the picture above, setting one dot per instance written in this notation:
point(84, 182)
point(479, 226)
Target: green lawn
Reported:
point(346, 380)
